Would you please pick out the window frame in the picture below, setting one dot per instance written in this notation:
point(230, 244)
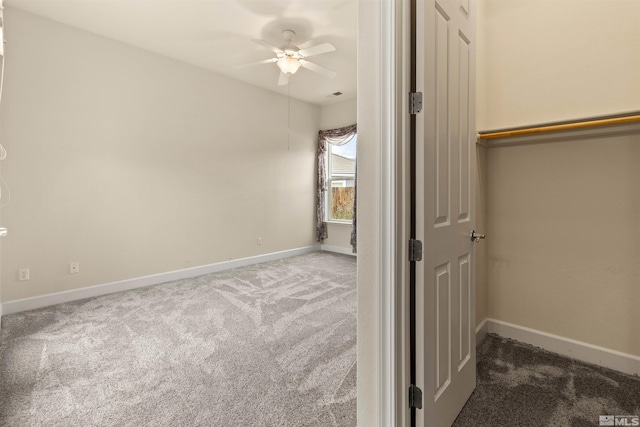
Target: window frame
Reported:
point(330, 179)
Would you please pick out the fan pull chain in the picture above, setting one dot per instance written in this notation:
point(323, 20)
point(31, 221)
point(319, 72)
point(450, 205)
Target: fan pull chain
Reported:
point(289, 117)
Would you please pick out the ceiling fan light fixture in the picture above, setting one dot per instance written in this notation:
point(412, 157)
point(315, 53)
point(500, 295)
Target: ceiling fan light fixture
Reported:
point(289, 58)
point(288, 65)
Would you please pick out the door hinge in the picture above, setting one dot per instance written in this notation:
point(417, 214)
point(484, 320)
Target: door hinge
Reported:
point(415, 102)
point(415, 397)
point(415, 250)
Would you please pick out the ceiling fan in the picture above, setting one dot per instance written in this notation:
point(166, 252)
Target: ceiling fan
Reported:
point(290, 58)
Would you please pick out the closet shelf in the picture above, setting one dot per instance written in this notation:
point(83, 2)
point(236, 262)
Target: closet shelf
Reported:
point(591, 127)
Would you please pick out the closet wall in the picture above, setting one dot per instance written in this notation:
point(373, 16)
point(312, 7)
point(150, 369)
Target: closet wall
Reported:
point(547, 60)
point(562, 217)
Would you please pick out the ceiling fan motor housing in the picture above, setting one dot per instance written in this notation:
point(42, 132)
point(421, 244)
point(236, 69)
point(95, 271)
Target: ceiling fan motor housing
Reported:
point(288, 35)
point(289, 49)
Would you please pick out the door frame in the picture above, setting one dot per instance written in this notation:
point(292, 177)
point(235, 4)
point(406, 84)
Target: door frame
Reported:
point(383, 128)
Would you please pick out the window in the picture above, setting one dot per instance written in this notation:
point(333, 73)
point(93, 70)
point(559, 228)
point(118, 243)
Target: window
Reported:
point(341, 171)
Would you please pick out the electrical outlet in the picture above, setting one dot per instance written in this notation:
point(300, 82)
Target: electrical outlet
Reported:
point(259, 241)
point(74, 267)
point(23, 274)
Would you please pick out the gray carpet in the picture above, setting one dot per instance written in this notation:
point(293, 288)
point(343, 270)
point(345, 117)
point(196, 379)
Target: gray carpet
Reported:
point(520, 385)
point(266, 345)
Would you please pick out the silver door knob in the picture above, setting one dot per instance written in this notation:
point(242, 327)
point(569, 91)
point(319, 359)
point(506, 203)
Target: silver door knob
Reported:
point(475, 237)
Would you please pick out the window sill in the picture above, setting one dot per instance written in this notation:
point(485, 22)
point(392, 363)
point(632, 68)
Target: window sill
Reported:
point(349, 223)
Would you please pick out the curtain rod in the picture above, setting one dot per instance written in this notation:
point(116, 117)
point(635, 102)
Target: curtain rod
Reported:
point(561, 126)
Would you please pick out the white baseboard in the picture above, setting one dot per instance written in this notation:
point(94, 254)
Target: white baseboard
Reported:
point(337, 249)
point(25, 304)
point(601, 356)
point(481, 331)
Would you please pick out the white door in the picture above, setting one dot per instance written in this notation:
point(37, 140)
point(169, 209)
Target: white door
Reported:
point(445, 214)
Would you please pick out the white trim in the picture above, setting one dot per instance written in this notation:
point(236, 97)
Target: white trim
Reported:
point(390, 101)
point(16, 306)
point(347, 222)
point(337, 249)
point(377, 267)
point(481, 331)
point(623, 362)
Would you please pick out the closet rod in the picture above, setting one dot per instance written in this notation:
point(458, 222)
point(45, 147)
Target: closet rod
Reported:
point(583, 124)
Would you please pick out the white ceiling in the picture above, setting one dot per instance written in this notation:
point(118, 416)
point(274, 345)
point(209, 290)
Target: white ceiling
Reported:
point(217, 34)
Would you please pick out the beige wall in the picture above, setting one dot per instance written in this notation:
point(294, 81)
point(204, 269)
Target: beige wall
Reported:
point(564, 255)
point(339, 235)
point(549, 60)
point(338, 115)
point(134, 164)
point(331, 117)
point(562, 217)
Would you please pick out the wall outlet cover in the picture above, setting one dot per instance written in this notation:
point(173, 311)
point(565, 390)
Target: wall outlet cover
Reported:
point(74, 267)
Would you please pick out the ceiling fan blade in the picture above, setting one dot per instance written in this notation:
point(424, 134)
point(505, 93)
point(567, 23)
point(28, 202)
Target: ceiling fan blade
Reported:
point(317, 50)
point(268, 45)
point(318, 69)
point(251, 64)
point(283, 80)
